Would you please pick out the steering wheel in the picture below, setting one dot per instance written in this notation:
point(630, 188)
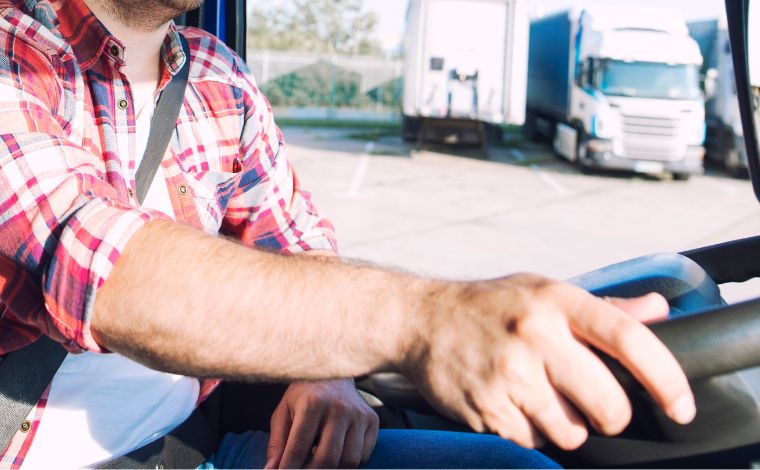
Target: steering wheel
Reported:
point(711, 340)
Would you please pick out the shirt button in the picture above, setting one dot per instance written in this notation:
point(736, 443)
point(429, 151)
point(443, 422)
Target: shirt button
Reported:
point(115, 51)
point(182, 189)
point(123, 104)
point(131, 193)
point(25, 426)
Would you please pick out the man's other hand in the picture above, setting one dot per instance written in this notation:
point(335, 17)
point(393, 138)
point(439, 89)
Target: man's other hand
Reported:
point(513, 356)
point(322, 425)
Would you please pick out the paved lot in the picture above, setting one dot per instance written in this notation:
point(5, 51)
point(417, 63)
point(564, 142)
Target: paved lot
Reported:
point(452, 213)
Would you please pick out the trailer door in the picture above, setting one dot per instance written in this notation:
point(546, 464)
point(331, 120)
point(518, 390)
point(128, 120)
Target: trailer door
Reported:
point(464, 59)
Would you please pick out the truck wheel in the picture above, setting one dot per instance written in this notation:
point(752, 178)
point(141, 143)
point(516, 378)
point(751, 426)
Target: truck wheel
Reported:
point(733, 164)
point(530, 129)
point(681, 176)
point(410, 128)
point(581, 151)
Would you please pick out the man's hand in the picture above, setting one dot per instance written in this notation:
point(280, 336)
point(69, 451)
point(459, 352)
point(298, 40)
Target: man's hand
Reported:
point(322, 425)
point(512, 356)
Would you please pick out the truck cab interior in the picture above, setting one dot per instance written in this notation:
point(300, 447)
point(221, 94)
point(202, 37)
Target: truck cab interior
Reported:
point(712, 339)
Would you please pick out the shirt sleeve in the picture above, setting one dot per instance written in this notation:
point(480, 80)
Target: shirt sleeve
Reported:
point(59, 221)
point(270, 209)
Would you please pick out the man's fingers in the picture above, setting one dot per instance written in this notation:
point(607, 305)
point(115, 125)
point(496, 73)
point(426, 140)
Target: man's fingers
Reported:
point(589, 385)
point(502, 417)
point(531, 391)
point(301, 439)
point(369, 441)
point(330, 447)
point(647, 309)
point(353, 447)
point(278, 436)
point(638, 349)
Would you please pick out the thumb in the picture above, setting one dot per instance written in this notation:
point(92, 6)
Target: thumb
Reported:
point(647, 309)
point(278, 437)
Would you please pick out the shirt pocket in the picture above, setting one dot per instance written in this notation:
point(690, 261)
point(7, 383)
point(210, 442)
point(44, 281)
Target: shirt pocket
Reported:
point(211, 191)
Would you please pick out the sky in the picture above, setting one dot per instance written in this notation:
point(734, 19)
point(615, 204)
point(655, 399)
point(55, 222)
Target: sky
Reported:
point(393, 12)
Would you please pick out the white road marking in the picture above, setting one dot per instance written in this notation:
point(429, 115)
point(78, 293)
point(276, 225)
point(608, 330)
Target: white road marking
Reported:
point(551, 181)
point(519, 156)
point(361, 170)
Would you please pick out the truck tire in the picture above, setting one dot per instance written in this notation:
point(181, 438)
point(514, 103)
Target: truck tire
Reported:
point(681, 176)
point(581, 149)
point(410, 128)
point(495, 134)
point(530, 129)
point(733, 164)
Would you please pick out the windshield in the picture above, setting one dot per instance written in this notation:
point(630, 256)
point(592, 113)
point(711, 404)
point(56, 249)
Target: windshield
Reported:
point(648, 80)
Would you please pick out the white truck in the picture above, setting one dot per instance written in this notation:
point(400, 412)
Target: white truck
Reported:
point(465, 64)
point(618, 87)
point(725, 137)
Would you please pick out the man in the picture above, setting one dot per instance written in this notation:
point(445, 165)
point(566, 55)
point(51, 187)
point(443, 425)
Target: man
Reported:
point(157, 286)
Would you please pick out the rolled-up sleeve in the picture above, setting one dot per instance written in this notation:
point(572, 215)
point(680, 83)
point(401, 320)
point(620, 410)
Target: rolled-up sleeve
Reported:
point(59, 220)
point(270, 209)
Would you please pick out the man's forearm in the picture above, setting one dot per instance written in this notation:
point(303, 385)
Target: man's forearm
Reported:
point(510, 355)
point(181, 301)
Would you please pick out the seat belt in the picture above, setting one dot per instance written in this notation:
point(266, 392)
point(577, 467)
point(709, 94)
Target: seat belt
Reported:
point(162, 126)
point(24, 374)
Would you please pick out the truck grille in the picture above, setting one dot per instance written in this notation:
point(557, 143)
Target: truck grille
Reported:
point(652, 138)
point(649, 126)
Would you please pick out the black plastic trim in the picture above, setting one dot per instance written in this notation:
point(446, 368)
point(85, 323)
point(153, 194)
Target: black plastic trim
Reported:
point(734, 261)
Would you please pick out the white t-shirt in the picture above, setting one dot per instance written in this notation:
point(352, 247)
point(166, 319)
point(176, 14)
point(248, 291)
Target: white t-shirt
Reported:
point(103, 406)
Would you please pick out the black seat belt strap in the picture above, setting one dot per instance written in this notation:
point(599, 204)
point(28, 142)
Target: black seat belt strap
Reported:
point(24, 374)
point(162, 126)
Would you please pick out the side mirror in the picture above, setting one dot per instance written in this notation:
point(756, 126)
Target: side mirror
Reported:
point(743, 26)
point(753, 44)
point(710, 83)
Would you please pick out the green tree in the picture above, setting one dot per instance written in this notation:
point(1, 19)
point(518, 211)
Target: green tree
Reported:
point(340, 26)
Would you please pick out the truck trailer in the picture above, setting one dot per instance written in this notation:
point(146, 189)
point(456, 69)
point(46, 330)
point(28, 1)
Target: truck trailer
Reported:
point(618, 88)
point(725, 138)
point(465, 63)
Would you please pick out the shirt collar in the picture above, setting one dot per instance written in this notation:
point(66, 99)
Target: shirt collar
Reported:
point(85, 34)
point(171, 52)
point(89, 38)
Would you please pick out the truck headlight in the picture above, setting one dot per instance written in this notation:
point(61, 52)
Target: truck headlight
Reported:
point(604, 125)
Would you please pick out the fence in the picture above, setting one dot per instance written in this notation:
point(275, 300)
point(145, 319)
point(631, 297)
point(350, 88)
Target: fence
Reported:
point(329, 86)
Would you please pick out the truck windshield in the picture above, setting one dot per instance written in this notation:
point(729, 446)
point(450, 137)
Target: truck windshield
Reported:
point(648, 80)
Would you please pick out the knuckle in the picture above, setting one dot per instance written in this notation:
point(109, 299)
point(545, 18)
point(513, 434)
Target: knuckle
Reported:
point(370, 419)
point(300, 446)
point(275, 444)
point(314, 400)
point(339, 408)
point(516, 369)
point(531, 327)
point(329, 459)
point(627, 337)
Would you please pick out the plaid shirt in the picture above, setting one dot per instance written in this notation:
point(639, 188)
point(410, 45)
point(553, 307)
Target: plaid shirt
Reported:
point(67, 169)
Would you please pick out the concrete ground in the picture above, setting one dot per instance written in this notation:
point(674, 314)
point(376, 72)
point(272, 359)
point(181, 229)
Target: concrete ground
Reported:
point(452, 213)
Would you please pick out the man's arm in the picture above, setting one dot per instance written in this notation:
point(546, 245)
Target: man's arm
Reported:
point(508, 355)
point(231, 311)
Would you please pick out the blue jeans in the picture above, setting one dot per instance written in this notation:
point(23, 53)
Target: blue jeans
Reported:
point(399, 448)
